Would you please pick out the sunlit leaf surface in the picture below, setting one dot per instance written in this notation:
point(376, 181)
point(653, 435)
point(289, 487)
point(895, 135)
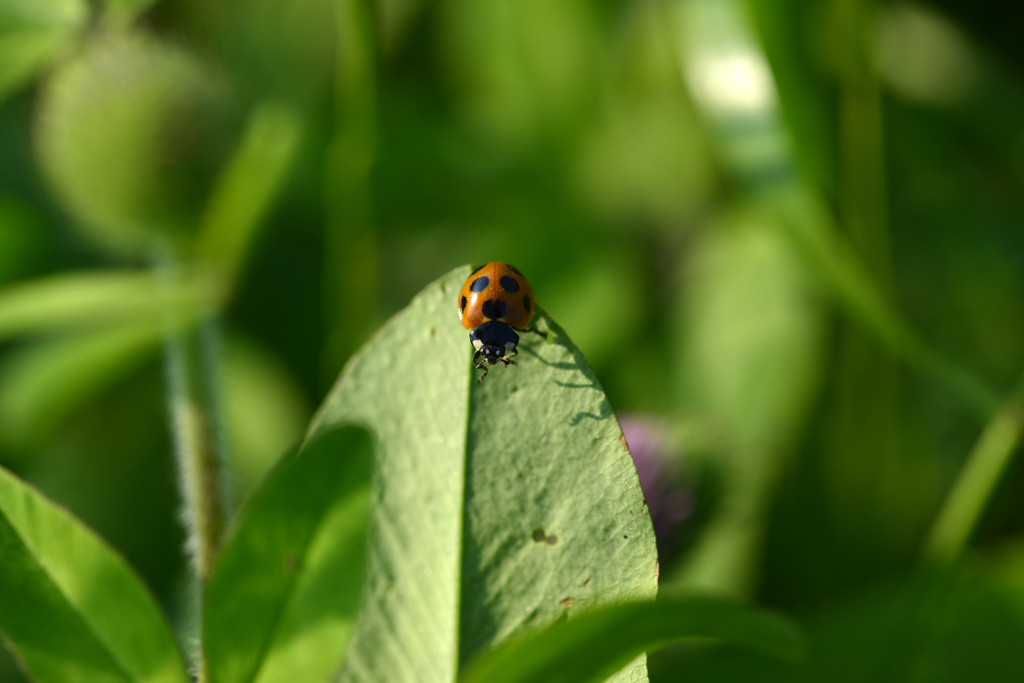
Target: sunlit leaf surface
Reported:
point(501, 506)
point(284, 595)
point(72, 608)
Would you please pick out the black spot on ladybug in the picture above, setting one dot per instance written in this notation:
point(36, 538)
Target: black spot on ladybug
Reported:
point(527, 302)
point(477, 269)
point(462, 306)
point(480, 284)
point(514, 269)
point(493, 309)
point(509, 283)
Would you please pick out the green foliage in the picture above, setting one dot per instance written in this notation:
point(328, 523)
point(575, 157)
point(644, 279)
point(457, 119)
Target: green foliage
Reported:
point(87, 300)
point(595, 645)
point(72, 607)
point(784, 232)
point(247, 186)
point(503, 506)
point(122, 133)
point(32, 33)
point(42, 383)
point(285, 592)
point(123, 10)
point(265, 411)
point(752, 331)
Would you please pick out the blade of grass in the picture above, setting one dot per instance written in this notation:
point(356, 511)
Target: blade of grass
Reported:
point(593, 646)
point(350, 253)
point(247, 187)
point(734, 88)
point(974, 485)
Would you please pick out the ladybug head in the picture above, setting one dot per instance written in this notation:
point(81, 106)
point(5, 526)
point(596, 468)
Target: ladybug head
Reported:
point(490, 353)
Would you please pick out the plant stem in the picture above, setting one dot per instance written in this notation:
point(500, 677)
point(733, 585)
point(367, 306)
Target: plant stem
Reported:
point(190, 354)
point(191, 365)
point(350, 263)
point(975, 483)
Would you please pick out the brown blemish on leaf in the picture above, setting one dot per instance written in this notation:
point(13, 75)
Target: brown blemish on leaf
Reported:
point(586, 583)
point(567, 602)
point(289, 562)
point(541, 536)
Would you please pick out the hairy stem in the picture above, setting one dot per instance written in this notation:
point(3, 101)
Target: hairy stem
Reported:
point(190, 355)
point(191, 365)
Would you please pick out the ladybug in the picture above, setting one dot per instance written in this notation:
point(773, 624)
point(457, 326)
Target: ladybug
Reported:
point(495, 299)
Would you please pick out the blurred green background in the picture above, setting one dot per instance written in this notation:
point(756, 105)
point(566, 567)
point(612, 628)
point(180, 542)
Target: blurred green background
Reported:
point(787, 235)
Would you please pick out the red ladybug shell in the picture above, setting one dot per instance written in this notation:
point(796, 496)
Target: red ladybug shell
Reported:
point(496, 291)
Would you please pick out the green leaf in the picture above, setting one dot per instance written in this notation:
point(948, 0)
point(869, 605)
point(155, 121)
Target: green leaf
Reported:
point(502, 506)
point(752, 326)
point(248, 185)
point(31, 34)
point(594, 646)
point(72, 608)
point(96, 298)
point(750, 363)
point(284, 595)
point(126, 133)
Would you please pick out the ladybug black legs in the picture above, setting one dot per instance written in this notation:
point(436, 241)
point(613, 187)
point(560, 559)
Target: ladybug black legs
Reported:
point(481, 364)
point(537, 332)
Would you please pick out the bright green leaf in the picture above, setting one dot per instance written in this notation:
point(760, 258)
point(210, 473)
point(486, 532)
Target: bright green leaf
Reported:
point(283, 597)
point(594, 646)
point(96, 298)
point(72, 608)
point(501, 507)
point(31, 33)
